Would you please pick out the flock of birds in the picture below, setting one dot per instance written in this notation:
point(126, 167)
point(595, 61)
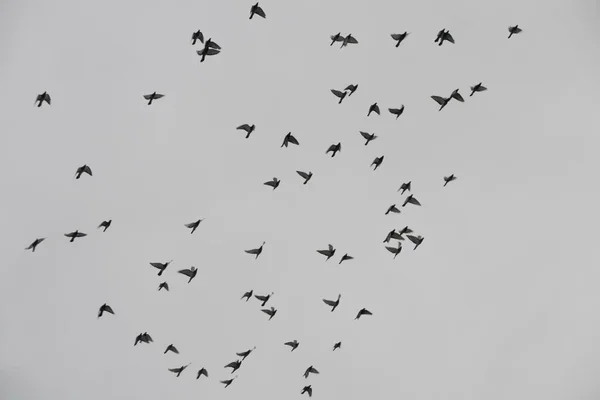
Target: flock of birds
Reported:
point(210, 48)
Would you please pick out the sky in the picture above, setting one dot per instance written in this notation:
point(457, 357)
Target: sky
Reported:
point(500, 300)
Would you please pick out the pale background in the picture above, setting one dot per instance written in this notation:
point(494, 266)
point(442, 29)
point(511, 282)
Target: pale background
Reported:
point(500, 301)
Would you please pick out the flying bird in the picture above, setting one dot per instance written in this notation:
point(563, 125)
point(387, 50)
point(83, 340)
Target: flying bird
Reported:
point(197, 36)
point(395, 250)
point(179, 370)
point(74, 235)
point(393, 235)
point(448, 179)
point(246, 353)
point(264, 299)
point(274, 183)
point(256, 251)
point(334, 148)
point(362, 312)
point(377, 162)
point(336, 38)
point(201, 372)
point(393, 209)
point(368, 136)
point(81, 170)
point(307, 389)
point(190, 273)
point(444, 35)
point(405, 230)
point(171, 348)
point(339, 94)
point(396, 111)
point(351, 89)
point(442, 101)
point(41, 98)
point(194, 225)
point(310, 370)
point(289, 138)
point(271, 313)
point(105, 308)
point(336, 346)
point(249, 129)
point(255, 9)
point(346, 257)
point(333, 304)
point(328, 253)
point(455, 95)
point(417, 240)
point(412, 200)
point(305, 176)
point(234, 365)
point(163, 285)
point(477, 88)
point(349, 40)
point(143, 338)
point(293, 344)
point(105, 225)
point(247, 295)
point(399, 37)
point(35, 243)
point(161, 266)
point(404, 187)
point(208, 50)
point(228, 382)
point(512, 29)
point(374, 108)
point(153, 96)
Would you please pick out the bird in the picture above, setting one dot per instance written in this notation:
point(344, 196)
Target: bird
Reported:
point(328, 253)
point(271, 313)
point(305, 176)
point(105, 308)
point(448, 179)
point(246, 353)
point(171, 348)
point(368, 136)
point(405, 230)
point(310, 370)
point(339, 94)
point(228, 382)
point(399, 37)
point(143, 338)
point(412, 200)
point(74, 235)
point(393, 235)
point(351, 89)
point(264, 299)
point(201, 372)
point(512, 29)
point(247, 295)
point(374, 108)
point(293, 344)
point(377, 162)
point(208, 50)
point(307, 389)
point(197, 36)
point(234, 365)
point(404, 187)
point(477, 88)
point(442, 101)
point(161, 266)
point(334, 148)
point(179, 370)
point(152, 97)
point(336, 38)
point(190, 273)
point(395, 250)
point(194, 225)
point(274, 183)
point(417, 240)
point(105, 225)
point(393, 209)
point(349, 40)
point(396, 111)
point(81, 170)
point(289, 138)
point(255, 9)
point(336, 346)
point(333, 304)
point(163, 285)
point(346, 257)
point(43, 97)
point(363, 311)
point(248, 128)
point(256, 251)
point(35, 243)
point(444, 35)
point(455, 95)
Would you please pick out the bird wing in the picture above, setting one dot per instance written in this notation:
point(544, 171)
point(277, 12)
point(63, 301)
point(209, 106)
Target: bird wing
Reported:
point(414, 201)
point(267, 311)
point(366, 312)
point(166, 286)
point(458, 97)
point(481, 89)
point(158, 96)
point(147, 96)
point(80, 234)
point(397, 236)
point(108, 309)
point(47, 98)
point(291, 344)
point(396, 36)
point(244, 127)
point(351, 39)
point(348, 257)
point(157, 265)
point(309, 390)
point(293, 140)
point(87, 170)
point(331, 148)
point(251, 251)
point(214, 45)
point(259, 11)
point(204, 372)
point(324, 252)
point(395, 111)
point(329, 302)
point(393, 250)
point(449, 37)
point(413, 239)
point(174, 350)
point(438, 99)
point(337, 93)
point(337, 38)
point(366, 135)
point(261, 298)
point(191, 225)
point(211, 52)
point(232, 364)
point(270, 183)
point(176, 370)
point(351, 88)
point(313, 370)
point(200, 37)
point(394, 209)
point(186, 272)
point(376, 109)
point(302, 174)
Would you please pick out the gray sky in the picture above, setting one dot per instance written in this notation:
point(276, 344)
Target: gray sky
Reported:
point(498, 303)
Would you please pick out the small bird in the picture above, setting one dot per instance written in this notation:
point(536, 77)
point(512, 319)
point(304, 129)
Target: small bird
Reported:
point(448, 179)
point(351, 89)
point(339, 94)
point(143, 338)
point(161, 266)
point(293, 344)
point(310, 370)
point(190, 273)
point(194, 225)
point(455, 95)
point(171, 348)
point(264, 299)
point(395, 250)
point(362, 312)
point(228, 382)
point(349, 40)
point(35, 243)
point(393, 209)
point(442, 101)
point(105, 225)
point(179, 370)
point(305, 176)
point(393, 235)
point(444, 35)
point(334, 148)
point(274, 183)
point(399, 37)
point(368, 136)
point(289, 138)
point(255, 9)
point(256, 251)
point(477, 88)
point(201, 372)
point(208, 50)
point(234, 365)
point(41, 98)
point(247, 295)
point(377, 162)
point(74, 235)
point(328, 253)
point(333, 304)
point(246, 353)
point(163, 285)
point(512, 29)
point(81, 170)
point(405, 230)
point(248, 128)
point(396, 111)
point(271, 313)
point(374, 108)
point(105, 308)
point(307, 389)
point(197, 36)
point(338, 345)
point(153, 96)
point(404, 187)
point(346, 257)
point(412, 200)
point(336, 38)
point(417, 240)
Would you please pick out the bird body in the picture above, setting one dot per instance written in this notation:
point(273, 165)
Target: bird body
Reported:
point(35, 243)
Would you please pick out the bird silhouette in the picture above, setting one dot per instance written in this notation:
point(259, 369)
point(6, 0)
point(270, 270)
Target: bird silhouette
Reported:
point(247, 295)
point(210, 49)
point(246, 353)
point(349, 40)
point(264, 299)
point(374, 108)
point(417, 240)
point(328, 253)
point(271, 313)
point(274, 183)
point(197, 36)
point(334, 148)
point(346, 257)
point(362, 312)
point(336, 38)
point(289, 138)
point(293, 344)
point(172, 349)
point(255, 9)
point(163, 285)
point(368, 136)
point(512, 29)
point(143, 338)
point(248, 128)
point(41, 98)
point(336, 346)
point(179, 370)
point(201, 372)
point(404, 187)
point(305, 176)
point(393, 209)
point(228, 382)
point(455, 95)
point(444, 35)
point(396, 111)
point(442, 101)
point(234, 365)
point(333, 304)
point(377, 162)
point(477, 88)
point(152, 97)
point(105, 308)
point(105, 225)
point(190, 273)
point(307, 389)
point(81, 170)
point(448, 179)
point(399, 37)
point(339, 94)
point(351, 89)
point(256, 251)
point(161, 266)
point(395, 250)
point(393, 235)
point(310, 370)
point(194, 225)
point(412, 200)
point(74, 235)
point(34, 244)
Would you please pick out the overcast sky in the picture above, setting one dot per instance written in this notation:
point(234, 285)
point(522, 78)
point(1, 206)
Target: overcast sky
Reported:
point(499, 302)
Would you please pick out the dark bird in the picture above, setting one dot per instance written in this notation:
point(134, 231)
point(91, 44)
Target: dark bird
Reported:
point(255, 9)
point(512, 29)
point(74, 235)
point(351, 89)
point(171, 348)
point(179, 370)
point(336, 38)
point(105, 225)
point(161, 267)
point(417, 240)
point(404, 187)
point(405, 230)
point(399, 37)
point(194, 225)
point(246, 353)
point(208, 50)
point(249, 129)
point(81, 170)
point(444, 35)
point(336, 346)
point(412, 200)
point(41, 98)
point(234, 365)
point(256, 251)
point(455, 95)
point(293, 344)
point(368, 136)
point(247, 295)
point(201, 372)
point(442, 101)
point(328, 253)
point(305, 176)
point(396, 111)
point(334, 148)
point(339, 94)
point(393, 235)
point(374, 108)
point(349, 40)
point(362, 312)
point(143, 338)
point(274, 183)
point(346, 257)
point(393, 209)
point(190, 273)
point(289, 138)
point(477, 88)
point(35, 243)
point(377, 162)
point(395, 250)
point(448, 179)
point(153, 96)
point(264, 299)
point(310, 370)
point(271, 313)
point(307, 389)
point(163, 285)
point(197, 36)
point(105, 308)
point(333, 304)
point(228, 382)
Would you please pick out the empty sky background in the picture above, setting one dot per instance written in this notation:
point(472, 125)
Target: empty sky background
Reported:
point(499, 302)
